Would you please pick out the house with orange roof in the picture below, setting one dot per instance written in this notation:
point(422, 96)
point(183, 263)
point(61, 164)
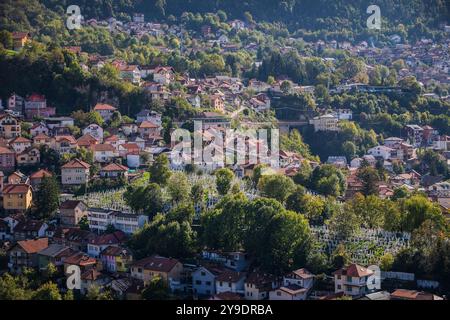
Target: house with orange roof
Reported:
point(17, 197)
point(18, 177)
point(156, 266)
point(82, 260)
point(37, 177)
point(19, 144)
point(104, 152)
point(114, 171)
point(43, 139)
point(20, 39)
point(147, 129)
point(25, 254)
point(115, 141)
point(352, 280)
point(86, 141)
point(28, 157)
point(128, 148)
point(105, 110)
point(65, 144)
point(75, 172)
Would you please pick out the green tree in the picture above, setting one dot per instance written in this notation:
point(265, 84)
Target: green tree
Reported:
point(369, 178)
point(160, 171)
point(179, 187)
point(48, 291)
point(11, 288)
point(47, 198)
point(157, 289)
point(224, 179)
point(344, 223)
point(276, 186)
point(148, 199)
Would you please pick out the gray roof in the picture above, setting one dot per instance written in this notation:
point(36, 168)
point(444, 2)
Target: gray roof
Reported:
point(53, 250)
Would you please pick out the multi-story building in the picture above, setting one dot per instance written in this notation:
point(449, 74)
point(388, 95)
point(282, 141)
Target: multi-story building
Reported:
point(352, 280)
point(17, 197)
point(71, 212)
point(326, 122)
point(105, 110)
point(25, 254)
point(7, 159)
point(9, 126)
point(75, 172)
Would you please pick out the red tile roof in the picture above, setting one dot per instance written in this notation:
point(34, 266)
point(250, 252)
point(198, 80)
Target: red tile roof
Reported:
point(157, 263)
point(40, 174)
point(354, 270)
point(21, 188)
point(104, 106)
point(80, 259)
point(114, 167)
point(147, 124)
point(103, 147)
point(33, 246)
point(76, 163)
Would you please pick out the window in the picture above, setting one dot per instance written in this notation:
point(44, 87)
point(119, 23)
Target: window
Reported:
point(278, 293)
point(198, 282)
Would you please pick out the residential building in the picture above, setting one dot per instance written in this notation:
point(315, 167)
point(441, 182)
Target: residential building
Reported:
point(29, 229)
point(25, 254)
point(75, 172)
point(352, 280)
point(104, 153)
point(71, 212)
point(20, 144)
point(28, 157)
point(105, 110)
point(20, 39)
point(114, 171)
point(7, 159)
point(156, 266)
point(37, 177)
point(230, 281)
point(204, 280)
point(258, 285)
point(116, 259)
point(101, 242)
point(54, 254)
point(326, 122)
point(95, 131)
point(17, 197)
point(9, 126)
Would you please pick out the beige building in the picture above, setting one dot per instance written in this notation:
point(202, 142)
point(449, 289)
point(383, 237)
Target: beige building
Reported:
point(9, 126)
point(75, 172)
point(326, 122)
point(72, 211)
point(156, 266)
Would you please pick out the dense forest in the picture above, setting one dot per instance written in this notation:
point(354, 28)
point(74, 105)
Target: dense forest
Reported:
point(297, 14)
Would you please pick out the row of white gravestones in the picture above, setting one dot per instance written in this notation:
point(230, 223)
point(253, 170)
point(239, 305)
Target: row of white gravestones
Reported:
point(387, 241)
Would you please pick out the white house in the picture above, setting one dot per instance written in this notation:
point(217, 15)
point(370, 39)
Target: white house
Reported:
point(352, 280)
point(95, 131)
point(300, 277)
point(105, 110)
point(291, 292)
point(258, 285)
point(104, 152)
point(230, 281)
point(204, 280)
point(383, 152)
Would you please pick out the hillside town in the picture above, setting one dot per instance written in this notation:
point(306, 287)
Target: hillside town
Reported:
point(343, 214)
